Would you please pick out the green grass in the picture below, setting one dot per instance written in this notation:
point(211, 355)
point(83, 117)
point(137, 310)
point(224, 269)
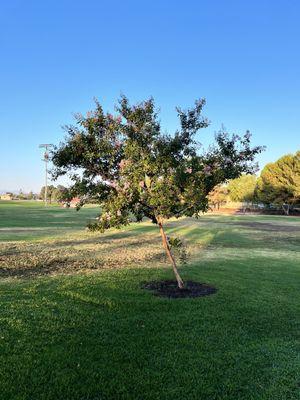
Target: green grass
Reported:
point(30, 220)
point(84, 329)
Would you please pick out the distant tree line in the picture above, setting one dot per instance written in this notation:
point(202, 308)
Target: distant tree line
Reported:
point(57, 193)
point(277, 187)
point(24, 196)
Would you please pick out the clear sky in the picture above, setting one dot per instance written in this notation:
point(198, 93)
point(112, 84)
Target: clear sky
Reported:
point(242, 56)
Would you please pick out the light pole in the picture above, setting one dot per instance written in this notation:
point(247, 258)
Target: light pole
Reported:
point(46, 146)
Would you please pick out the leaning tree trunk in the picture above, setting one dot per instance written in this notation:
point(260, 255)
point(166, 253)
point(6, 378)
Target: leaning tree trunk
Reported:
point(286, 209)
point(170, 255)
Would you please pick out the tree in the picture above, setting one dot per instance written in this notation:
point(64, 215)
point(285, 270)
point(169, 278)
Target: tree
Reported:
point(21, 195)
point(279, 182)
point(30, 195)
point(50, 193)
point(130, 167)
point(218, 196)
point(61, 194)
point(242, 188)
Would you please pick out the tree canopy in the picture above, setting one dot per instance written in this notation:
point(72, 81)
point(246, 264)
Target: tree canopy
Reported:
point(279, 182)
point(242, 188)
point(218, 196)
point(131, 168)
point(56, 193)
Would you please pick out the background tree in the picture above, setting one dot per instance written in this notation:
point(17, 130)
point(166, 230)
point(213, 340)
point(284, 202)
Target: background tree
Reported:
point(279, 182)
point(130, 167)
point(242, 188)
point(21, 195)
point(218, 196)
point(51, 193)
point(61, 194)
point(31, 195)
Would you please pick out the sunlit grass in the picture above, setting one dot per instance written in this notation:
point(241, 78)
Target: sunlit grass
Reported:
point(75, 323)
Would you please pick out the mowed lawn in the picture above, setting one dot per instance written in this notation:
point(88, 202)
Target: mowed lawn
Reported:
point(24, 220)
point(75, 323)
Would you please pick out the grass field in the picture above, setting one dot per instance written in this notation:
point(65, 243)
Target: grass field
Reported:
point(30, 220)
point(75, 324)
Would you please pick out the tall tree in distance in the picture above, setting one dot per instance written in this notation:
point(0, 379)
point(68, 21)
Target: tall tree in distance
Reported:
point(279, 182)
point(242, 188)
point(61, 194)
point(218, 196)
point(130, 167)
point(50, 193)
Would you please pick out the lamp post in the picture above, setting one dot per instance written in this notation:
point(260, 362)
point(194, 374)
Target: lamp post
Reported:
point(46, 146)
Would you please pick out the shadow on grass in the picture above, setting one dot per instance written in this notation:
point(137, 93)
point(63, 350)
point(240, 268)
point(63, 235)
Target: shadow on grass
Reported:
point(107, 338)
point(60, 265)
point(141, 244)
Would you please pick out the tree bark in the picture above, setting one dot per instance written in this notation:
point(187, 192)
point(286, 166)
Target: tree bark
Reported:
point(286, 209)
point(169, 254)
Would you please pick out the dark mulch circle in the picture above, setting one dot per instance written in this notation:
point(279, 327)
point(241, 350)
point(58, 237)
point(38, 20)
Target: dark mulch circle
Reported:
point(171, 290)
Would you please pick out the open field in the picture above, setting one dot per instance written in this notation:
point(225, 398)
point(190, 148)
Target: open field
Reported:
point(75, 324)
point(30, 220)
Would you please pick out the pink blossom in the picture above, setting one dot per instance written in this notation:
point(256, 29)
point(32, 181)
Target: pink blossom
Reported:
point(123, 163)
point(142, 184)
point(106, 216)
point(207, 170)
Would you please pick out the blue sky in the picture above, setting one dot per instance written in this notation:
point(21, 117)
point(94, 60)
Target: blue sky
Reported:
point(242, 56)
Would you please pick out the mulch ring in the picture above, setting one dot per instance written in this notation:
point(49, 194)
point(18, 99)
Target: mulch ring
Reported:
point(170, 289)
